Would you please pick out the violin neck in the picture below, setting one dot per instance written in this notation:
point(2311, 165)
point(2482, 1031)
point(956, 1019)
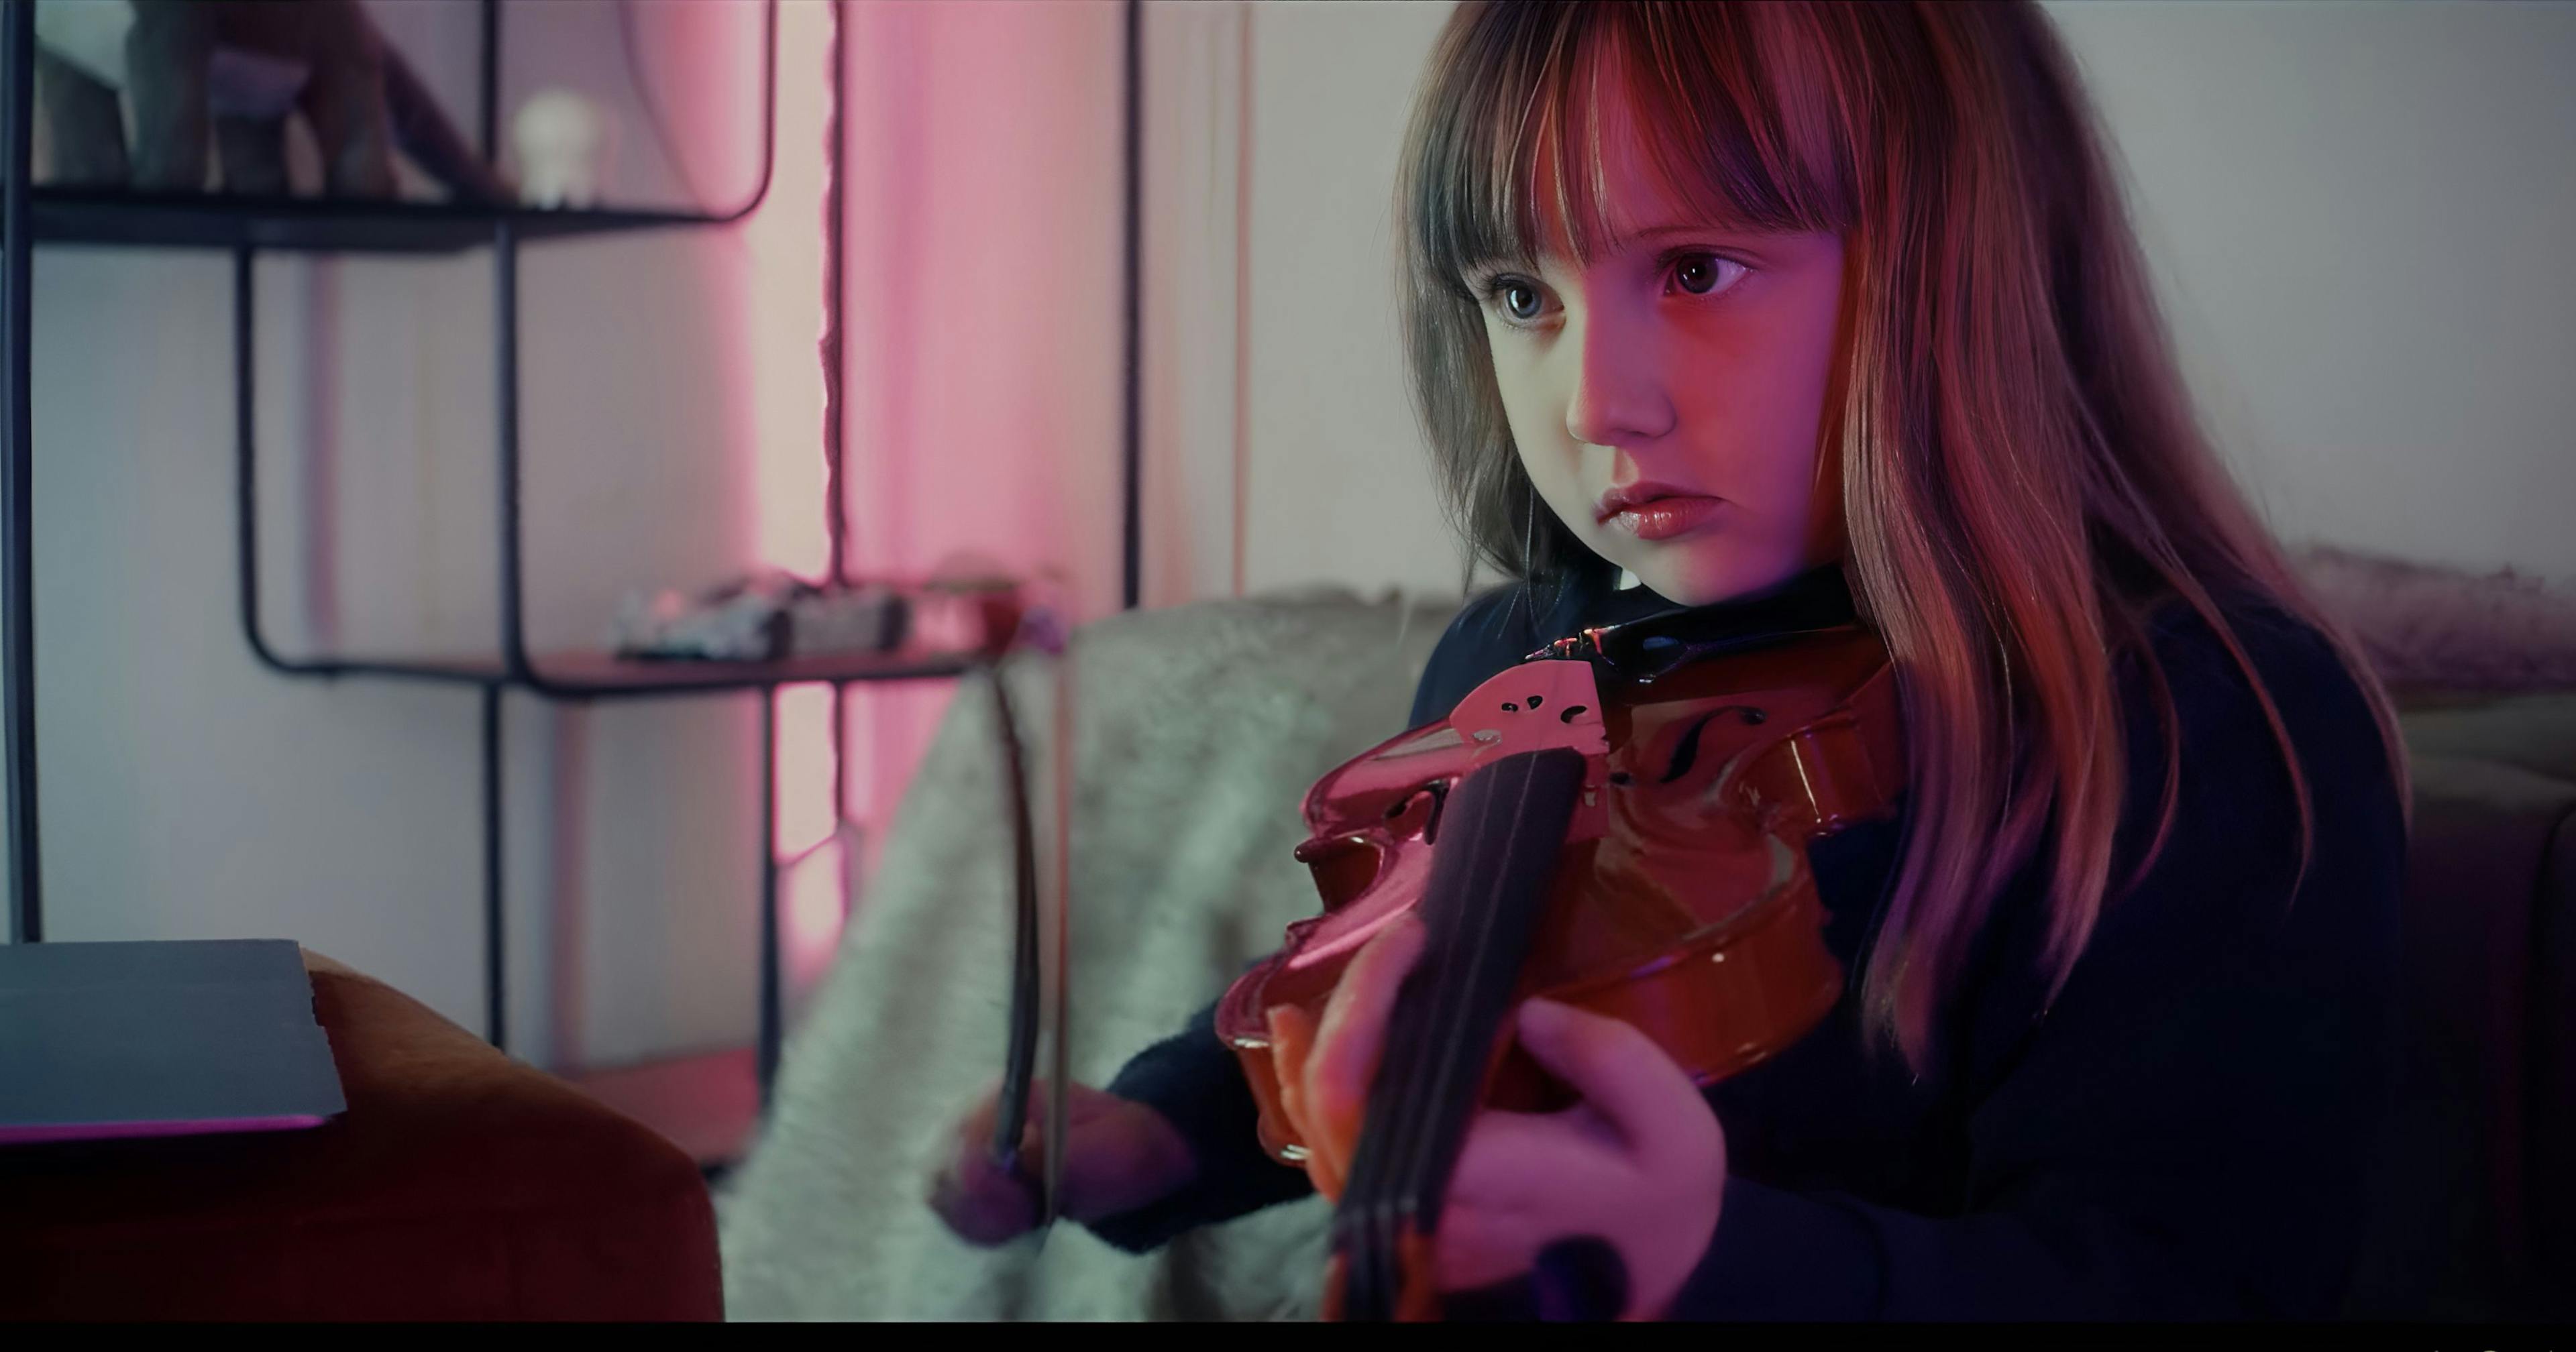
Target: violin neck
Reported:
point(1501, 833)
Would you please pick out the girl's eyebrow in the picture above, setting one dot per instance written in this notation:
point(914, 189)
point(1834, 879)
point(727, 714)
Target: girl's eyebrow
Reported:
point(1656, 232)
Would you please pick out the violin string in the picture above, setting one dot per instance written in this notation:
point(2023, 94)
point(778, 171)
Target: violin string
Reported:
point(1386, 1163)
point(1426, 1037)
point(1373, 1194)
point(1466, 1051)
point(1507, 911)
point(1454, 1032)
point(1430, 1056)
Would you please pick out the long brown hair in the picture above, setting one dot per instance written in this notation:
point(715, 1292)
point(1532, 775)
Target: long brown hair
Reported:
point(2022, 477)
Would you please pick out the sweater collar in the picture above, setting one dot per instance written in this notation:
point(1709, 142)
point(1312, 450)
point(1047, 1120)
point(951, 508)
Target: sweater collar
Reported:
point(1819, 598)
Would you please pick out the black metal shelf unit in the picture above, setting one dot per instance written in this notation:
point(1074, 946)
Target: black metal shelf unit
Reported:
point(30, 215)
point(296, 224)
point(88, 215)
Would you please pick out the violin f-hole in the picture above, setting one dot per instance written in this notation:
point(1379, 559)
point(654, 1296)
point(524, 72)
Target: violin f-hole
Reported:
point(1439, 791)
point(1687, 754)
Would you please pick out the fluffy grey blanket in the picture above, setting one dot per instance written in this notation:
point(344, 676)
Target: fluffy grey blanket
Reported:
point(1182, 874)
point(2438, 631)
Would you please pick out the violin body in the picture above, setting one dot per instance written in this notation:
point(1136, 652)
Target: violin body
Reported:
point(1676, 895)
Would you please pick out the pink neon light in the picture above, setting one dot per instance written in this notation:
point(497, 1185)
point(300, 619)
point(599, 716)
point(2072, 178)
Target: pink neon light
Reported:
point(118, 1131)
point(811, 896)
point(785, 248)
point(785, 244)
point(805, 815)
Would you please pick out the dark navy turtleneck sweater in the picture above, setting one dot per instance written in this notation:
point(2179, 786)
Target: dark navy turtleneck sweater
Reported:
point(2182, 1133)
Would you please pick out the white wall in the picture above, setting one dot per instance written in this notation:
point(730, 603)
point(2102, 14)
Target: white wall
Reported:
point(187, 793)
point(2357, 212)
point(1336, 487)
point(183, 793)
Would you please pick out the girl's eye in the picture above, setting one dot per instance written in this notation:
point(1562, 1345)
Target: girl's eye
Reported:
point(1518, 301)
point(1702, 273)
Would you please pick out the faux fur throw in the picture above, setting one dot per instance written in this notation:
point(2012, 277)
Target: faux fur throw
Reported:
point(1199, 729)
point(2440, 630)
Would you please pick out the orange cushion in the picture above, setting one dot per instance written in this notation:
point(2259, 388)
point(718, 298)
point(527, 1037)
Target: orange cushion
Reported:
point(459, 1185)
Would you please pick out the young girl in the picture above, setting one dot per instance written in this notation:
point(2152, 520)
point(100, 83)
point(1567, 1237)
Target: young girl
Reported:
point(1836, 307)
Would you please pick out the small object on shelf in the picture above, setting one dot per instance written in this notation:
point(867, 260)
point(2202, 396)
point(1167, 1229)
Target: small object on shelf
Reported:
point(566, 145)
point(226, 77)
point(766, 618)
point(972, 612)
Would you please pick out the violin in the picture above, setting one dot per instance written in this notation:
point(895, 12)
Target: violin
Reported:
point(1620, 824)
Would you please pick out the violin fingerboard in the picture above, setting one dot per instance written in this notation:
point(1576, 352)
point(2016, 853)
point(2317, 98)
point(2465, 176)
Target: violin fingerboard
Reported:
point(1501, 833)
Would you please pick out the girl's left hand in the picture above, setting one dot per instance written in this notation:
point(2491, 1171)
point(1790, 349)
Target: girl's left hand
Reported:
point(1639, 1163)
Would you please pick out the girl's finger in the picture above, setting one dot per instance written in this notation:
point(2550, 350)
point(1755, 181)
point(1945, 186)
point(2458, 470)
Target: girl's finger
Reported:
point(1292, 1043)
point(1354, 1028)
point(982, 1202)
point(1637, 1089)
point(977, 1124)
point(1478, 1247)
point(1531, 1161)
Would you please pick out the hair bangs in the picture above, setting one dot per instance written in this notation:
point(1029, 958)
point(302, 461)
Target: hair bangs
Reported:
point(1514, 142)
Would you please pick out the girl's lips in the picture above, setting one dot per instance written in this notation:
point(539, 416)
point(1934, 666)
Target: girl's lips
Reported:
point(1664, 518)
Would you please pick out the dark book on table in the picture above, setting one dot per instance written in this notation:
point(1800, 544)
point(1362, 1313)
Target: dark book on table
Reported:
point(159, 1039)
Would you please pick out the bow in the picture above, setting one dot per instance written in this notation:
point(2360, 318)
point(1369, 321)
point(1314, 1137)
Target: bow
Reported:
point(1039, 990)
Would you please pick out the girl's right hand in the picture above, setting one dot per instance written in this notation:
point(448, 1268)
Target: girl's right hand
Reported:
point(1118, 1155)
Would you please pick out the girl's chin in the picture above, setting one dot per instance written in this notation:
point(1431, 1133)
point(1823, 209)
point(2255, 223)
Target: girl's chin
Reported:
point(1705, 578)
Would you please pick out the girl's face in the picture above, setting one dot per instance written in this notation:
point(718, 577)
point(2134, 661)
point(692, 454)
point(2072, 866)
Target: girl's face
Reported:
point(1668, 398)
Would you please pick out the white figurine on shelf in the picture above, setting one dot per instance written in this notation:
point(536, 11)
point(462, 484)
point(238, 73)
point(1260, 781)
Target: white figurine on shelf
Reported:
point(564, 142)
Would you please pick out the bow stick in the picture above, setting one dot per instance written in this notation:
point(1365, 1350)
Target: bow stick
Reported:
point(1039, 991)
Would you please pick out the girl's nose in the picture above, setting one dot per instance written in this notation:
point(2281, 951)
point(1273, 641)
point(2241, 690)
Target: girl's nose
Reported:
point(1619, 397)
